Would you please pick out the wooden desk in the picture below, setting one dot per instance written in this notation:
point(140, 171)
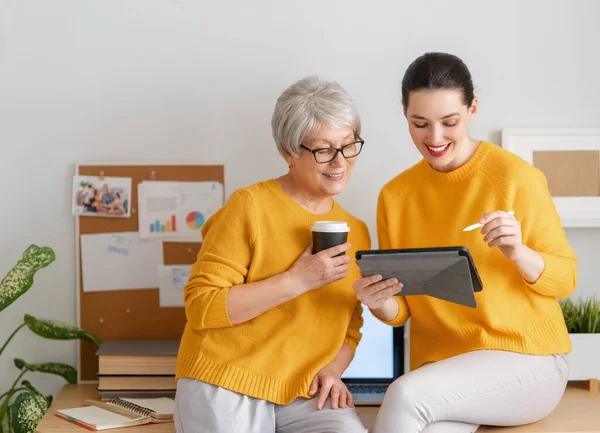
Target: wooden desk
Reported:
point(579, 411)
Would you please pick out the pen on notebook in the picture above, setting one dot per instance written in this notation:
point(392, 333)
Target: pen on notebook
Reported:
point(477, 225)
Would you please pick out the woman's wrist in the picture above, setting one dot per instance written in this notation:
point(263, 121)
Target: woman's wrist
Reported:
point(388, 311)
point(291, 285)
point(332, 369)
point(530, 263)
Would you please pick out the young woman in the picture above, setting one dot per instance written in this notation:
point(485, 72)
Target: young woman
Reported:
point(505, 362)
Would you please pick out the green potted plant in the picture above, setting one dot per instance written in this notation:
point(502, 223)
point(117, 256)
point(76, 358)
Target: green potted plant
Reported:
point(22, 406)
point(582, 317)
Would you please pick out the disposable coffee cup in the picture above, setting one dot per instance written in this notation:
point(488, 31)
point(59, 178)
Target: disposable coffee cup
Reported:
point(327, 234)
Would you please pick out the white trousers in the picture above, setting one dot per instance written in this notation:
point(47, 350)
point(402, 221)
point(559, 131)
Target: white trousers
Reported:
point(482, 387)
point(204, 408)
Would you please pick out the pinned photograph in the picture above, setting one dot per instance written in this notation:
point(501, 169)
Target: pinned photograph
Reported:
point(102, 196)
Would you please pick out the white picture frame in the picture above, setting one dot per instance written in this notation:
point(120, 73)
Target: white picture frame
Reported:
point(573, 211)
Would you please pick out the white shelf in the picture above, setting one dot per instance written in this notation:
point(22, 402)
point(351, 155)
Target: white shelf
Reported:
point(578, 211)
point(580, 222)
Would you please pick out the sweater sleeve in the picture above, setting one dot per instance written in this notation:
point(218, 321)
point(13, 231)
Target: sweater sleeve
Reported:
point(385, 243)
point(223, 262)
point(353, 335)
point(542, 231)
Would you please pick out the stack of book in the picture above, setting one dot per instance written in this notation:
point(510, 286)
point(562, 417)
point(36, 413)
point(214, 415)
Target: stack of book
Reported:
point(137, 368)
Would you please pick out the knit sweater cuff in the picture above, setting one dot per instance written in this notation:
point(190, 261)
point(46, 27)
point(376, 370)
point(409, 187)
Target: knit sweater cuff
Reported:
point(216, 314)
point(351, 342)
point(557, 278)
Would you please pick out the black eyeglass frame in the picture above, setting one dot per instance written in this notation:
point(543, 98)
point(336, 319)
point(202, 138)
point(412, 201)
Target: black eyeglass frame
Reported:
point(337, 150)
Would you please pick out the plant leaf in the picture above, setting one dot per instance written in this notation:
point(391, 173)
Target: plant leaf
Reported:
point(27, 411)
point(63, 370)
point(20, 278)
point(581, 315)
point(19, 363)
point(58, 330)
point(27, 384)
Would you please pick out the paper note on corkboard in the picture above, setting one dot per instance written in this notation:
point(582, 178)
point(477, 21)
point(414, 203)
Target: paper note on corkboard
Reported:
point(571, 173)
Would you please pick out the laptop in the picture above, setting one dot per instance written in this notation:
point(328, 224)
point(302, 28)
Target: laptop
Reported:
point(369, 384)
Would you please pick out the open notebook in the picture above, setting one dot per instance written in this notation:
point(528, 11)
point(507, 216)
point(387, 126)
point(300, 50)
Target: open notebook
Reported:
point(120, 412)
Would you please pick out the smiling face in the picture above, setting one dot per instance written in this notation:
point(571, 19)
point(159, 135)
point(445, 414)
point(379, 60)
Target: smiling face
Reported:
point(438, 121)
point(329, 179)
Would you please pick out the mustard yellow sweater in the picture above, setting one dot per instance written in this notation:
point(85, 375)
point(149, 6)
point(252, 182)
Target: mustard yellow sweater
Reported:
point(425, 208)
point(259, 233)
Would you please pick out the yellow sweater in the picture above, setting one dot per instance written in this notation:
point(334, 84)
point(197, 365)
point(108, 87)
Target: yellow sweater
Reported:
point(259, 233)
point(425, 208)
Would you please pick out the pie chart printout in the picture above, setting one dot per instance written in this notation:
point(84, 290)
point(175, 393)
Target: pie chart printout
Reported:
point(195, 220)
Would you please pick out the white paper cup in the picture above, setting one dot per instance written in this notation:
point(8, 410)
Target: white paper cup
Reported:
point(327, 234)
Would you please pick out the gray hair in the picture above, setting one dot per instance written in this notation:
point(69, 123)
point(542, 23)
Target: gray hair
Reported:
point(306, 105)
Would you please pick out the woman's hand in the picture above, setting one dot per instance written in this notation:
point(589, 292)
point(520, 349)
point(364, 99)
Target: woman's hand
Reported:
point(330, 383)
point(312, 271)
point(502, 230)
point(375, 292)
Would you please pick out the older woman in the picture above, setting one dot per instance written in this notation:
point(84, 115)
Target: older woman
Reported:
point(272, 327)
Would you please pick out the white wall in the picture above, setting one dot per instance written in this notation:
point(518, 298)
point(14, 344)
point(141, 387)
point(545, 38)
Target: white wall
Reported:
point(186, 80)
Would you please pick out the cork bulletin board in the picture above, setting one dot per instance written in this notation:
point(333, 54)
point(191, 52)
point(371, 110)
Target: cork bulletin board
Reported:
point(131, 314)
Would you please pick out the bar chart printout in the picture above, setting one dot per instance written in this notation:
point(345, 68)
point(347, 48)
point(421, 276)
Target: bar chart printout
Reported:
point(176, 211)
point(169, 226)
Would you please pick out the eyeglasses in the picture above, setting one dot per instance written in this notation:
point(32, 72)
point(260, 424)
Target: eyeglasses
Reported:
point(324, 155)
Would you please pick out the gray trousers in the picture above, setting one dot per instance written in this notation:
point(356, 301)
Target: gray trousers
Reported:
point(204, 408)
point(483, 387)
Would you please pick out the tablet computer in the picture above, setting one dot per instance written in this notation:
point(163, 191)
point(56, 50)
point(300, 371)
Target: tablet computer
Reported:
point(447, 273)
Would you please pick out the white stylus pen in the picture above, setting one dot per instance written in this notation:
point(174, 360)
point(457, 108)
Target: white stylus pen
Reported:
point(477, 225)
